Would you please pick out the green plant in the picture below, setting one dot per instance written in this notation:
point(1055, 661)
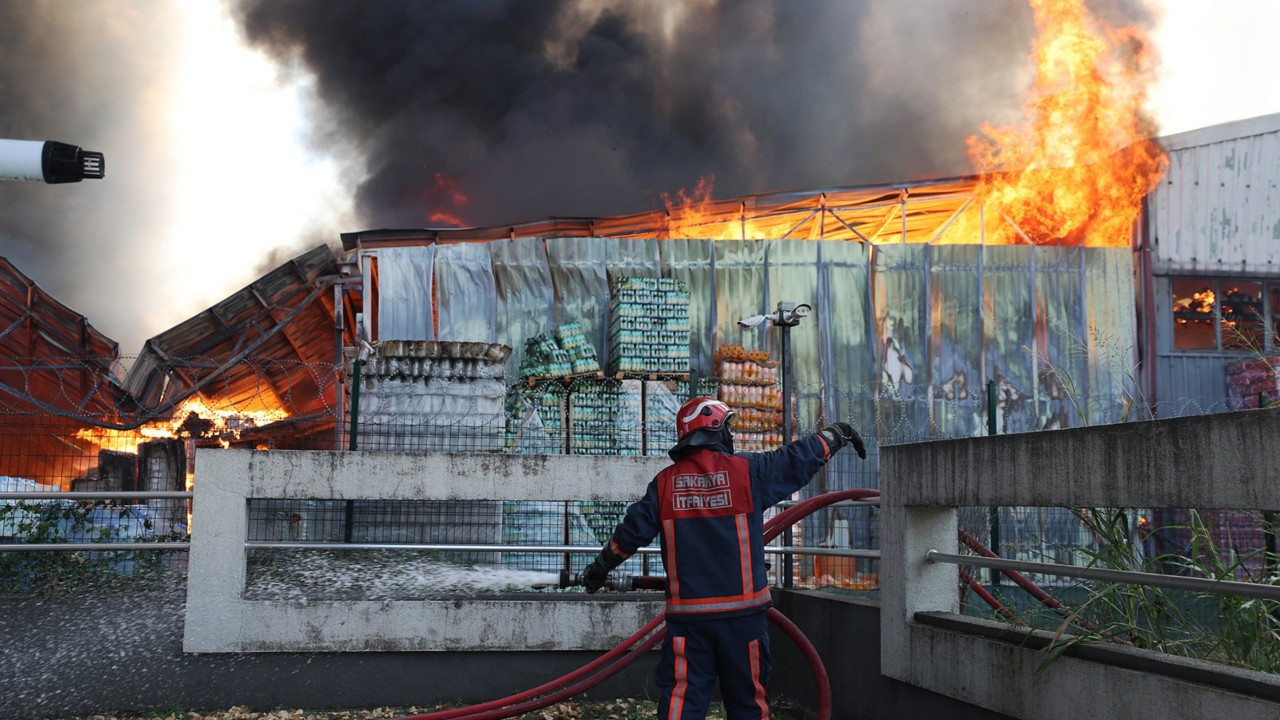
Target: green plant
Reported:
point(1243, 632)
point(1228, 629)
point(78, 571)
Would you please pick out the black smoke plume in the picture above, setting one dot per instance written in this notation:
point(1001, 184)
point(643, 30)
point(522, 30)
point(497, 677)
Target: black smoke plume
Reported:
point(594, 107)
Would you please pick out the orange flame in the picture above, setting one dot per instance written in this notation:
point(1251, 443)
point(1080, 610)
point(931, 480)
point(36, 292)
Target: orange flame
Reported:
point(1078, 173)
point(448, 199)
point(195, 418)
point(694, 215)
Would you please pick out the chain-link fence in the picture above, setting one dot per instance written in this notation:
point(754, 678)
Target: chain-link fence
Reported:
point(461, 404)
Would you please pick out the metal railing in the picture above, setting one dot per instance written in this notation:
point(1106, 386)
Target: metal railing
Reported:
point(1176, 582)
point(553, 549)
point(96, 495)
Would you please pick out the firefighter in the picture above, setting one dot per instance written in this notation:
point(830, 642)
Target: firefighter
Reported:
point(708, 508)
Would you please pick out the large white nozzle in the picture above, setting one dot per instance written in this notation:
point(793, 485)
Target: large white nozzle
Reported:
point(48, 161)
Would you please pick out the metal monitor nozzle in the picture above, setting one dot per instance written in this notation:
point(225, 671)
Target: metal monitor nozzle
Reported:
point(49, 161)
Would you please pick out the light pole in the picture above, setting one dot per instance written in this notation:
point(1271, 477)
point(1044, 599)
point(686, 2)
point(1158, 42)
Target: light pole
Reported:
point(786, 316)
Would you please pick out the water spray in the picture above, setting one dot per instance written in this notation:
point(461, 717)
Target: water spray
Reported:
point(49, 161)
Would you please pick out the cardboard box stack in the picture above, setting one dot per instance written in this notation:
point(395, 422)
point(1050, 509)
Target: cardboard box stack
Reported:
point(1253, 380)
point(648, 326)
point(748, 383)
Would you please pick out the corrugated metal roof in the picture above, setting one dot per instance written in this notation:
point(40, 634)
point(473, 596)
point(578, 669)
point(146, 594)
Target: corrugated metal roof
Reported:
point(872, 213)
point(1217, 211)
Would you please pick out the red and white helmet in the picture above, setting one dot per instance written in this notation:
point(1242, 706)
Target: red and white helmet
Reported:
point(701, 422)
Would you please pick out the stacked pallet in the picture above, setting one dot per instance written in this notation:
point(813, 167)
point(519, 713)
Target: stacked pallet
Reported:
point(748, 384)
point(573, 341)
point(648, 326)
point(605, 417)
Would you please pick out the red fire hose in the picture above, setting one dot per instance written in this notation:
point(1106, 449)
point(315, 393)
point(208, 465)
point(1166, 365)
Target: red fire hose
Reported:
point(619, 658)
point(596, 671)
point(521, 697)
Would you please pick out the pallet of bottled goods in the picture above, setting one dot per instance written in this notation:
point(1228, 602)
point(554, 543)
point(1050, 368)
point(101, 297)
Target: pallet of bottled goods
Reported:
point(573, 341)
point(536, 418)
point(566, 353)
point(605, 417)
point(648, 326)
point(748, 384)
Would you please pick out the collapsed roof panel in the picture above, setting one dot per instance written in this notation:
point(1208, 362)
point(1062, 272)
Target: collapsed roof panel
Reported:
point(266, 344)
point(55, 361)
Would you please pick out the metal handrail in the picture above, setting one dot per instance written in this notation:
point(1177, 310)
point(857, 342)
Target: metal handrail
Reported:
point(1176, 582)
point(100, 495)
point(441, 547)
point(586, 549)
point(35, 547)
point(96, 495)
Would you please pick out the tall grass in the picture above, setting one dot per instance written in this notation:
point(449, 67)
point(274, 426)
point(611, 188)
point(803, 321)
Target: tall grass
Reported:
point(1237, 631)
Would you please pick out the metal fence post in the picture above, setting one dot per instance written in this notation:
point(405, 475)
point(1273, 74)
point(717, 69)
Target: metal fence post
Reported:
point(349, 520)
point(994, 519)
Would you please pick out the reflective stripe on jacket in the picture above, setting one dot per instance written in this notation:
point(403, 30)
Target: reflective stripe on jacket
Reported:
point(708, 507)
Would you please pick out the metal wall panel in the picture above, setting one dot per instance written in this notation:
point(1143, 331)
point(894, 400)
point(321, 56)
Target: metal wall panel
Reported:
point(741, 291)
point(1008, 323)
point(901, 292)
point(404, 293)
point(691, 262)
point(957, 406)
point(1110, 324)
point(1060, 340)
point(582, 289)
point(1191, 384)
point(465, 294)
point(1218, 208)
point(526, 298)
point(792, 269)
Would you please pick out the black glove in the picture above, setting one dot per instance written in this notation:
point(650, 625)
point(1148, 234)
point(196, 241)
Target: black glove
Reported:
point(840, 433)
point(595, 575)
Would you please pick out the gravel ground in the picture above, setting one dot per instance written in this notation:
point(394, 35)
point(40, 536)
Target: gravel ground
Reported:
point(614, 710)
point(621, 709)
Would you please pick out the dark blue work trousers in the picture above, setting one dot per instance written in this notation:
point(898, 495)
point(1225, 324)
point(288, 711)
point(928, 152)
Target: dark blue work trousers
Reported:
point(694, 654)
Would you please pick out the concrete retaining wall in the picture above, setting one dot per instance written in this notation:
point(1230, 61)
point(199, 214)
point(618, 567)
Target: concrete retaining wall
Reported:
point(1212, 461)
point(219, 618)
point(81, 656)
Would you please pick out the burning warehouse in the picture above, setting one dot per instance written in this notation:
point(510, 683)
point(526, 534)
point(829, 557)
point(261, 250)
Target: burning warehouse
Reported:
point(928, 298)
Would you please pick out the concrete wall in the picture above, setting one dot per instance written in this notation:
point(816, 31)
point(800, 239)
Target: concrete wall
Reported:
point(220, 619)
point(1217, 461)
point(90, 655)
point(846, 633)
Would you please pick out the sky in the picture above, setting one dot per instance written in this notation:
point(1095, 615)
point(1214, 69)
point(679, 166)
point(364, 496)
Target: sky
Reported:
point(239, 134)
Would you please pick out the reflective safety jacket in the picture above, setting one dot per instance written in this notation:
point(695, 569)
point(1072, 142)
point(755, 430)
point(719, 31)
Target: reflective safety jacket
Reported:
point(708, 508)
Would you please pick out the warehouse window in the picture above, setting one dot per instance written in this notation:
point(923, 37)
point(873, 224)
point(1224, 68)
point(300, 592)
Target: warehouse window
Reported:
point(1243, 322)
point(1225, 314)
point(1194, 303)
